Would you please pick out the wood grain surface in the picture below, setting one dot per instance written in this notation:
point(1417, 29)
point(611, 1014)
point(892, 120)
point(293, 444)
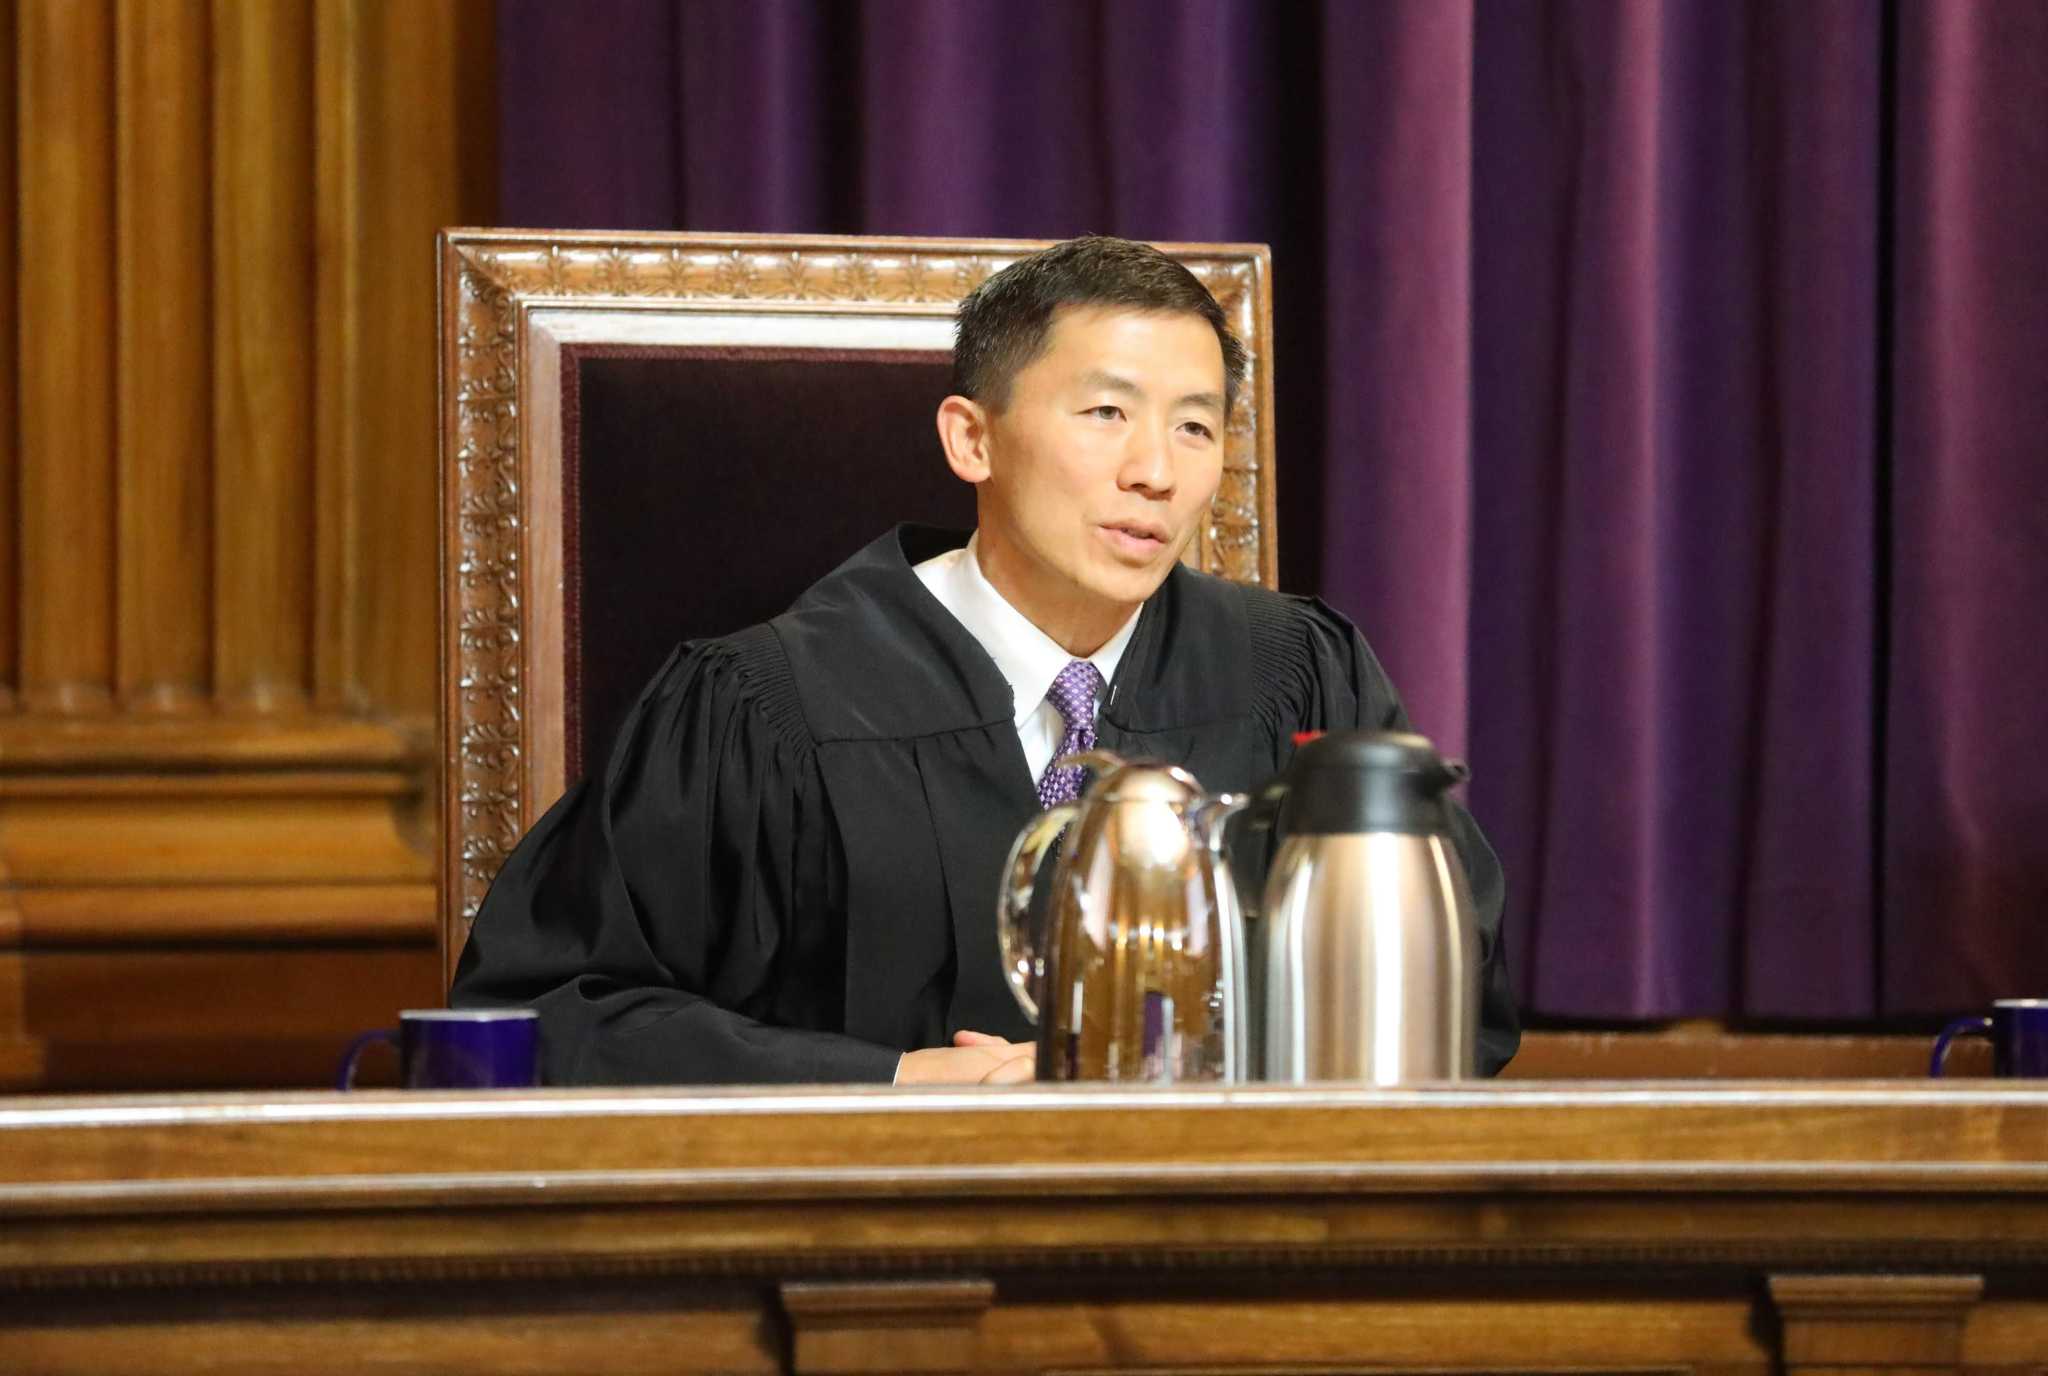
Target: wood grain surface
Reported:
point(217, 505)
point(65, 152)
point(10, 434)
point(1587, 1228)
point(163, 427)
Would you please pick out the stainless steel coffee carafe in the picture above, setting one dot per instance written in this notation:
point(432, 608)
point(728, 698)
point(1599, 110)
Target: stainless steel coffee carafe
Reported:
point(1371, 951)
point(1133, 966)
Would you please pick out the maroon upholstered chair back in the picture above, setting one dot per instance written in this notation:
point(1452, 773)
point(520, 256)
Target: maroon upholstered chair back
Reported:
point(707, 488)
point(652, 438)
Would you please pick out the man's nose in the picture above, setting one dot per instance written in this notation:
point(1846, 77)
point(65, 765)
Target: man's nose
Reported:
point(1148, 464)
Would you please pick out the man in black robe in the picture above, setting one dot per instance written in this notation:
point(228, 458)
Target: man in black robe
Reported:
point(787, 870)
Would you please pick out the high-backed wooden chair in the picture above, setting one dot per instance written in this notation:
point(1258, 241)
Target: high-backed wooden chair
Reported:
point(652, 437)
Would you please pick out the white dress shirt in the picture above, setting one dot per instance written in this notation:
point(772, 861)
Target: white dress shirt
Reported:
point(1028, 658)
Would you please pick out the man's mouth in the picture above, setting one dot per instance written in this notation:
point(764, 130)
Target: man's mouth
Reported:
point(1135, 537)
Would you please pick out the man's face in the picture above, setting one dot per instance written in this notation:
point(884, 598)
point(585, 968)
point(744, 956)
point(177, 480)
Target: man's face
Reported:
point(1102, 465)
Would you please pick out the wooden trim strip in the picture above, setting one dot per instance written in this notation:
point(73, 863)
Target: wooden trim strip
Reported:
point(1131, 1180)
point(34, 744)
point(210, 785)
point(801, 1131)
point(239, 913)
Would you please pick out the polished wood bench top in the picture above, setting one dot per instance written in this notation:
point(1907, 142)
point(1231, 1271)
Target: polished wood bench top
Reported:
point(1655, 1225)
point(79, 1152)
point(549, 1149)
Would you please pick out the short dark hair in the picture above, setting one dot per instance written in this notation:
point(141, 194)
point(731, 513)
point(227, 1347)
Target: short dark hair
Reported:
point(1003, 324)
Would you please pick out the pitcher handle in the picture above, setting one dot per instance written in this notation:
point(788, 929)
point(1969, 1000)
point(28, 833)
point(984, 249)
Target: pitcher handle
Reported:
point(1961, 1027)
point(1023, 962)
point(1214, 815)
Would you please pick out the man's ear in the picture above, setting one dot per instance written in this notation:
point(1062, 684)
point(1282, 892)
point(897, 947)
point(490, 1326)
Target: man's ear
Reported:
point(963, 433)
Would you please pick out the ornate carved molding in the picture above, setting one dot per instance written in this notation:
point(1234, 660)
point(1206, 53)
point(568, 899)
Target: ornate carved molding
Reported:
point(489, 278)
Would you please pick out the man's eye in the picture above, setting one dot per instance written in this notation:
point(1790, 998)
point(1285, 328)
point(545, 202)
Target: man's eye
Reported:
point(1196, 427)
point(1106, 412)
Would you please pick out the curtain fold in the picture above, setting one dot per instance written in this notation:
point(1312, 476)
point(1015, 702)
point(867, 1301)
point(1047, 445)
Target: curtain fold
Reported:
point(1674, 641)
point(1965, 837)
point(1396, 274)
point(1661, 386)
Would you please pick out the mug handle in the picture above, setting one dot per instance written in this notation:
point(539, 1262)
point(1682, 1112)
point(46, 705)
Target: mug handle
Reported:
point(1961, 1027)
point(345, 1077)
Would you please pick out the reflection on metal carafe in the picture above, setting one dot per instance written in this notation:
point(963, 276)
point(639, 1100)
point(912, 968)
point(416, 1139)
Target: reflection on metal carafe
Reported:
point(1371, 953)
point(1134, 968)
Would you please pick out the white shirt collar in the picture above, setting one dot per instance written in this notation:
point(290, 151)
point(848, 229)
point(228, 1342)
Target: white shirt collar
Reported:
point(1028, 658)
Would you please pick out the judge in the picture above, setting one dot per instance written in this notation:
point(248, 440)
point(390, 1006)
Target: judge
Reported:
point(787, 870)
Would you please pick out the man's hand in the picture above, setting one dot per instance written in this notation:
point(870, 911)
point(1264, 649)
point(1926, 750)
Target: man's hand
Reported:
point(974, 1058)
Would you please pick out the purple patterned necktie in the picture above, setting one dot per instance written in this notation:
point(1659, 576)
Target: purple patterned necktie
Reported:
point(1073, 693)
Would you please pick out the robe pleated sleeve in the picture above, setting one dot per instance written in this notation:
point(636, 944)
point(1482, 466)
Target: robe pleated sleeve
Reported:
point(1315, 672)
point(677, 919)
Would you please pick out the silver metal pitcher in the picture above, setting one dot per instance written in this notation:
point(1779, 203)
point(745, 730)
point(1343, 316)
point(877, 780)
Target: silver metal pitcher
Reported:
point(1133, 966)
point(1372, 953)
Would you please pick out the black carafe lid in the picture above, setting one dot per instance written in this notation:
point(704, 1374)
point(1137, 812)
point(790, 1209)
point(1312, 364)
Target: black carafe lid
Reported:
point(1353, 781)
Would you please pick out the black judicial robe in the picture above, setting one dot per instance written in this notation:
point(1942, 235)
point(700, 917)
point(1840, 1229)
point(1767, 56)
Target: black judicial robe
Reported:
point(787, 871)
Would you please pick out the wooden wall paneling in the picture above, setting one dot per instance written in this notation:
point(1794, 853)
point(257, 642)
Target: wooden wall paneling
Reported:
point(1709, 1050)
point(23, 1058)
point(20, 1055)
point(65, 141)
point(265, 900)
point(619, 1327)
point(2007, 1330)
point(263, 285)
point(220, 995)
point(225, 455)
point(394, 168)
point(68, 917)
point(425, 112)
point(887, 1326)
point(282, 831)
point(9, 410)
point(1349, 1323)
point(1882, 1325)
point(163, 391)
point(338, 396)
point(216, 1019)
point(1827, 1230)
point(403, 116)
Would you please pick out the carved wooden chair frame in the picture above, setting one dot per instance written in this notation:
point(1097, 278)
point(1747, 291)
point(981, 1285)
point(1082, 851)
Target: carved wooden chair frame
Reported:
point(509, 303)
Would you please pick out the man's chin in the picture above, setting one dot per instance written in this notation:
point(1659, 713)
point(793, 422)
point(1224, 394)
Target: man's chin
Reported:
point(1130, 586)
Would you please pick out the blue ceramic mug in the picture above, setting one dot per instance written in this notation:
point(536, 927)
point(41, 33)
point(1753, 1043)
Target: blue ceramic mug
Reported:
point(457, 1048)
point(2018, 1029)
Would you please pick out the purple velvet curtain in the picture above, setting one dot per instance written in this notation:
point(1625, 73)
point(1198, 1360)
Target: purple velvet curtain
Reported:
point(1663, 385)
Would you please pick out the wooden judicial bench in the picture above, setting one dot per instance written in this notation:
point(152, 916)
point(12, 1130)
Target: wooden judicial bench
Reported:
point(1633, 1229)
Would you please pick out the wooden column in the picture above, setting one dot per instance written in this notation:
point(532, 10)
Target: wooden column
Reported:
point(340, 401)
point(65, 142)
point(263, 263)
point(393, 170)
point(1873, 1325)
point(10, 641)
point(163, 397)
point(20, 1059)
